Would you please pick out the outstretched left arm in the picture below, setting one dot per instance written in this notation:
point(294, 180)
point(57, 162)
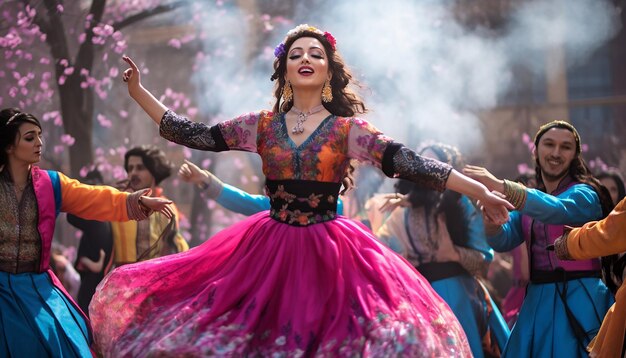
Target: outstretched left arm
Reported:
point(596, 238)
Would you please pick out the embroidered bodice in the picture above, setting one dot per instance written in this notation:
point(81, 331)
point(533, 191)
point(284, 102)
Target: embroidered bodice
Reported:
point(20, 243)
point(323, 157)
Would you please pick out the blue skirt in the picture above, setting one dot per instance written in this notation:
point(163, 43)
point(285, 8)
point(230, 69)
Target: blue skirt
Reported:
point(38, 320)
point(543, 328)
point(466, 298)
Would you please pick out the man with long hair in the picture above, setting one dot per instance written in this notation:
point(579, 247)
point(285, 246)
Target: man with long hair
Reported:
point(565, 300)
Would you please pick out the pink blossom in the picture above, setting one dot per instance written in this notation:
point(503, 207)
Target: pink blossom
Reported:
point(63, 62)
point(46, 116)
point(60, 8)
point(62, 80)
point(68, 139)
point(107, 30)
point(119, 172)
point(187, 153)
point(522, 168)
point(58, 149)
point(68, 71)
point(104, 122)
point(175, 43)
point(206, 163)
point(123, 114)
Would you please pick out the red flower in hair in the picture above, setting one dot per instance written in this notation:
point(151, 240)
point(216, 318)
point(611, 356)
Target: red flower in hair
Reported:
point(331, 40)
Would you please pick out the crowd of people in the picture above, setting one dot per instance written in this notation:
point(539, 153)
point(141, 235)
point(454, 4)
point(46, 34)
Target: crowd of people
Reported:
point(324, 264)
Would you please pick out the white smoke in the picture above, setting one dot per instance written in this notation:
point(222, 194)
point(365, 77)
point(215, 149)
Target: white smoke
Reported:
point(426, 74)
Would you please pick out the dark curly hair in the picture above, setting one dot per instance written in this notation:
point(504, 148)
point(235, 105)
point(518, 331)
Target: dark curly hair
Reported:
point(154, 160)
point(345, 102)
point(9, 131)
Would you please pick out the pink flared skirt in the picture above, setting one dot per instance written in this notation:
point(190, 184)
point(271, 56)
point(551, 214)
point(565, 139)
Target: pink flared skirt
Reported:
point(264, 288)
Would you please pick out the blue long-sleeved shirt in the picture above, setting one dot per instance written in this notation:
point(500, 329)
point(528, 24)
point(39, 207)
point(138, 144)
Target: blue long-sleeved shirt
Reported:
point(575, 206)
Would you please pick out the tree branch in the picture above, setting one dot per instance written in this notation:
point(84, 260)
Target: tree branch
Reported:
point(148, 13)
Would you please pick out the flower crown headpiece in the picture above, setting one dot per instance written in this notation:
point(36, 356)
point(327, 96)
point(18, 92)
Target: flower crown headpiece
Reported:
point(280, 50)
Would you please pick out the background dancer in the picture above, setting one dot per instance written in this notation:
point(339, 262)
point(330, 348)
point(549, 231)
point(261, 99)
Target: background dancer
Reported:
point(442, 235)
point(37, 316)
point(147, 166)
point(565, 301)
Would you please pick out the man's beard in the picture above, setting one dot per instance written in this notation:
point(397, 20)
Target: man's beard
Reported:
point(552, 177)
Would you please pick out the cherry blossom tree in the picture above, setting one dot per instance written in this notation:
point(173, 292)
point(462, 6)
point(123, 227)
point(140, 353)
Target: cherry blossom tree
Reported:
point(57, 63)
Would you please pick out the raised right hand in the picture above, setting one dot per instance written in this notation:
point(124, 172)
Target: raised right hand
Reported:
point(132, 75)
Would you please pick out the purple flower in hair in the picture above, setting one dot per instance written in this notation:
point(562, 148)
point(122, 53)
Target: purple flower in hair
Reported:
point(279, 51)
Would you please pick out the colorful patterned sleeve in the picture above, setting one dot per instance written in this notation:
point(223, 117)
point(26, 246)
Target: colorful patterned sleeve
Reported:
point(235, 134)
point(366, 143)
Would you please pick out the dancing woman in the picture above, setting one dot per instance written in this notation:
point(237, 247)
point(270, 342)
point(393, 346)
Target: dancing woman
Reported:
point(298, 280)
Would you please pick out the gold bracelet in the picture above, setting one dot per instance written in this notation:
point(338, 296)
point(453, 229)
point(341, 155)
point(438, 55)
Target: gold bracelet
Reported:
point(515, 193)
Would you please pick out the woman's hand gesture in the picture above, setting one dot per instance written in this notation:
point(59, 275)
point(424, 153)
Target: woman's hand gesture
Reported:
point(161, 205)
point(191, 173)
point(131, 75)
point(495, 208)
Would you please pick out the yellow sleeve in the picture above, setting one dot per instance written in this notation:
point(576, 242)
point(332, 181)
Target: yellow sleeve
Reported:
point(600, 238)
point(93, 202)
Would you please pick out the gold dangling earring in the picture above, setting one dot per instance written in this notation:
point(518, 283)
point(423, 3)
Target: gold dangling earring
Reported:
point(327, 92)
point(287, 92)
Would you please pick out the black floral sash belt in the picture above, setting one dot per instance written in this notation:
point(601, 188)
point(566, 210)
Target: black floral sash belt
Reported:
point(302, 202)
